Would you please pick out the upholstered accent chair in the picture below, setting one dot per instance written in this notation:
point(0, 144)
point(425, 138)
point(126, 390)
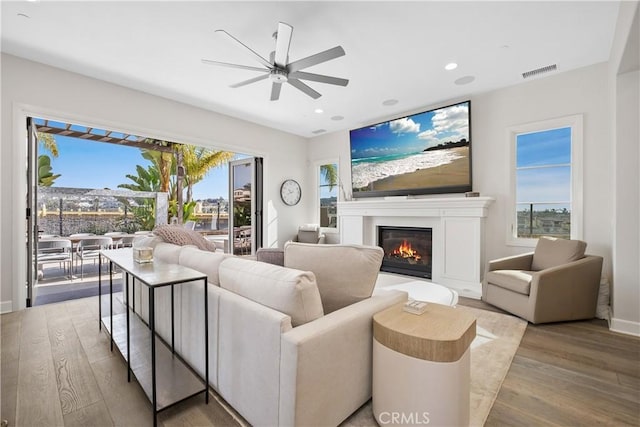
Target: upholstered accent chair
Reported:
point(309, 233)
point(557, 282)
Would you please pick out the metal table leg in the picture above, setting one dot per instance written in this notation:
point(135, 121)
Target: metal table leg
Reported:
point(152, 325)
point(99, 289)
point(206, 340)
point(126, 285)
point(111, 302)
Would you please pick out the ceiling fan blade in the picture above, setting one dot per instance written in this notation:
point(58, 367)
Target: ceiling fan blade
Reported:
point(283, 41)
point(247, 82)
point(304, 88)
point(226, 64)
point(275, 91)
point(319, 78)
point(318, 58)
point(247, 49)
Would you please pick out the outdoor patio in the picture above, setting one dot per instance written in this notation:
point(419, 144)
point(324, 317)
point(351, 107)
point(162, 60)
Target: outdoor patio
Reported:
point(55, 285)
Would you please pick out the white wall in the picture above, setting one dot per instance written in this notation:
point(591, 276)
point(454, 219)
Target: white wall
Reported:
point(33, 88)
point(624, 78)
point(584, 91)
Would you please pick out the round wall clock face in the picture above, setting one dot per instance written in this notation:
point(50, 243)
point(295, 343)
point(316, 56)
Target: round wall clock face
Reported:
point(290, 192)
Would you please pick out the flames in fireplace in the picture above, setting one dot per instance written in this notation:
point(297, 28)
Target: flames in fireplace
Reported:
point(405, 251)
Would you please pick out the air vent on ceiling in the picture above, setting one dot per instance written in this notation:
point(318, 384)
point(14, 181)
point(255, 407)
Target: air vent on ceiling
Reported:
point(319, 131)
point(539, 71)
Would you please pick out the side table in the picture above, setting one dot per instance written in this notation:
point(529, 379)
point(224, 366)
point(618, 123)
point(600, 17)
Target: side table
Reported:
point(163, 375)
point(421, 366)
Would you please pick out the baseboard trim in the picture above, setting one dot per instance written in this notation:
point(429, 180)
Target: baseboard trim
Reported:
point(625, 327)
point(6, 307)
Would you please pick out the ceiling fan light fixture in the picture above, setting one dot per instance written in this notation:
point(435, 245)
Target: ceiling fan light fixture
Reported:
point(278, 76)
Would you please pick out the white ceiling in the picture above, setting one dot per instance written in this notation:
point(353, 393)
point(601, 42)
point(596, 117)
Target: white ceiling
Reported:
point(394, 50)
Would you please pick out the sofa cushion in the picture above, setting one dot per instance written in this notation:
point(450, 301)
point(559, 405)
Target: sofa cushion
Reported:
point(551, 252)
point(345, 274)
point(181, 236)
point(514, 280)
point(289, 291)
point(167, 252)
point(204, 261)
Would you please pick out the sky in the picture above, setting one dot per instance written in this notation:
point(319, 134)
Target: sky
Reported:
point(90, 164)
point(412, 134)
point(543, 171)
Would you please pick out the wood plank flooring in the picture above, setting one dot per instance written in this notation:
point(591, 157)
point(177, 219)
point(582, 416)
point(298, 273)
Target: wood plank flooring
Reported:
point(57, 370)
point(570, 374)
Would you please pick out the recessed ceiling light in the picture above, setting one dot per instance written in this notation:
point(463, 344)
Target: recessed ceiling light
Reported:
point(319, 110)
point(23, 15)
point(451, 66)
point(337, 118)
point(389, 102)
point(464, 80)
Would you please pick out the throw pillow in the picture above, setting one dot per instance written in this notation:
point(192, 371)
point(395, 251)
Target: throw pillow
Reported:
point(551, 252)
point(181, 236)
point(345, 274)
point(286, 290)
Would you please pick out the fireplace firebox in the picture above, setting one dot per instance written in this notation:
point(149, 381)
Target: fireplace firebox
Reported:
point(407, 250)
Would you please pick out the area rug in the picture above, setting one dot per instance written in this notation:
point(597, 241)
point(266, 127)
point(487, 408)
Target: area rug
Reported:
point(497, 339)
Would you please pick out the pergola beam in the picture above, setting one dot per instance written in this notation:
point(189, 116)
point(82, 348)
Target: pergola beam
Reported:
point(140, 142)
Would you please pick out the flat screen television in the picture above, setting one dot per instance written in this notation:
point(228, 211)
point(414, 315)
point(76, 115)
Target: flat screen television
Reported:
point(424, 153)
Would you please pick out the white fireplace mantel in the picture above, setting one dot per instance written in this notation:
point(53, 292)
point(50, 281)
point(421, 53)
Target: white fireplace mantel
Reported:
point(457, 225)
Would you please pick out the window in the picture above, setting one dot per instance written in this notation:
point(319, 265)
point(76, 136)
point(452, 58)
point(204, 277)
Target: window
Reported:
point(328, 194)
point(546, 180)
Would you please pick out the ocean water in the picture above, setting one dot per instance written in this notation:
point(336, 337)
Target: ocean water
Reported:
point(367, 170)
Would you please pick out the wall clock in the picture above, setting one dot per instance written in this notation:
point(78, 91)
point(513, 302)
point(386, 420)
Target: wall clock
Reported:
point(290, 192)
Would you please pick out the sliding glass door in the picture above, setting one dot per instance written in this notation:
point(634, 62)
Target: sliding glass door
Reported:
point(245, 205)
point(32, 211)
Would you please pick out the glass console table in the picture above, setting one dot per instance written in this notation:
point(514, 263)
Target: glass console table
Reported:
point(165, 378)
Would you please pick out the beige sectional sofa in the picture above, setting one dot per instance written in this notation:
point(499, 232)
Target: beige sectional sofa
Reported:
point(282, 351)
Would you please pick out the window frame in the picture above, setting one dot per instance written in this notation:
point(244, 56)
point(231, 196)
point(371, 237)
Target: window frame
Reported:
point(317, 182)
point(575, 122)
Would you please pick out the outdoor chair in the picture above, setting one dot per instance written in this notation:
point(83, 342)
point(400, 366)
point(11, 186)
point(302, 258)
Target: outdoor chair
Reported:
point(116, 237)
point(127, 241)
point(89, 249)
point(52, 251)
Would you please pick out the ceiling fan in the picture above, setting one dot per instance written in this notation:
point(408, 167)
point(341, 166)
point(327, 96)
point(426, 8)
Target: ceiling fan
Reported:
point(279, 70)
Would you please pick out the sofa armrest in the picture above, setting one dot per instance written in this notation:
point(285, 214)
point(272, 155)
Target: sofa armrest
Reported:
point(568, 291)
point(271, 256)
point(325, 365)
point(515, 262)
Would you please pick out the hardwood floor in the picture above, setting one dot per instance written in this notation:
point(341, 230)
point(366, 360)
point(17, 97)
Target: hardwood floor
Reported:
point(57, 370)
point(571, 373)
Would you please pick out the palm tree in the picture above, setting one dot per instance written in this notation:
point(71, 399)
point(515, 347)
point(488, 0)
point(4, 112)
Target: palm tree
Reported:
point(198, 161)
point(163, 160)
point(330, 173)
point(48, 141)
point(147, 179)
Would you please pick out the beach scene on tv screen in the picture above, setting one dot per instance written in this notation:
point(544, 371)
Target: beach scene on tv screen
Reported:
point(425, 150)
